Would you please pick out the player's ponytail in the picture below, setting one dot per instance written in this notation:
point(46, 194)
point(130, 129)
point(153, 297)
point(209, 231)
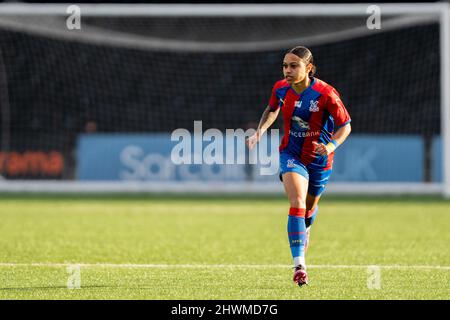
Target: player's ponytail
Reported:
point(306, 55)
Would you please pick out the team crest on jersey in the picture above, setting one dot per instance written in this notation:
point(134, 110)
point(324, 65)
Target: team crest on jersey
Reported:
point(313, 107)
point(291, 163)
point(298, 104)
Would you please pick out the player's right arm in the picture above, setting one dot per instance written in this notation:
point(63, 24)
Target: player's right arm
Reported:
point(267, 119)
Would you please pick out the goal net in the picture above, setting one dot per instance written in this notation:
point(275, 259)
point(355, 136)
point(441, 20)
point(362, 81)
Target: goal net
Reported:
point(92, 96)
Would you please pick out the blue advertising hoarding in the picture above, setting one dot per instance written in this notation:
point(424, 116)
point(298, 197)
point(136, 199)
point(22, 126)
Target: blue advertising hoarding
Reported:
point(147, 157)
point(436, 159)
point(384, 158)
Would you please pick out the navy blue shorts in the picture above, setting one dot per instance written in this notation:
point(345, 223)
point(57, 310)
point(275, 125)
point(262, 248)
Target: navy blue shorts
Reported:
point(317, 178)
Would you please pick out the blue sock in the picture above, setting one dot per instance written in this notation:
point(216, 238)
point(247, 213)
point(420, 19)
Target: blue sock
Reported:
point(309, 221)
point(297, 234)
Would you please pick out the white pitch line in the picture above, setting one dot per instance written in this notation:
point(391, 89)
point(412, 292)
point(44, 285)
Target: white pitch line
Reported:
point(208, 266)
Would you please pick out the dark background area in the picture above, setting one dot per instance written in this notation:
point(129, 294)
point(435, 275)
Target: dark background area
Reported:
point(58, 89)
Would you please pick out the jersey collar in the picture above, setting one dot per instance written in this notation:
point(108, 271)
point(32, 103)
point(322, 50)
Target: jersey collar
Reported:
point(312, 82)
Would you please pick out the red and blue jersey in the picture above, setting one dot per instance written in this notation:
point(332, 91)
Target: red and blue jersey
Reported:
point(312, 116)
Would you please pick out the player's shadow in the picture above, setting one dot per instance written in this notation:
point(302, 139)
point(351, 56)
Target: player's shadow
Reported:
point(54, 287)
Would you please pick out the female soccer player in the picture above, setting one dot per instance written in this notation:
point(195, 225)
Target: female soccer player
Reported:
point(316, 122)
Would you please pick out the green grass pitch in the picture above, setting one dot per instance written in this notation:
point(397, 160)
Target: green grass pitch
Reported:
point(143, 247)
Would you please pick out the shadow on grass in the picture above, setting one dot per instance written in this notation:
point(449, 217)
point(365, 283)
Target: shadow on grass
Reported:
point(212, 198)
point(54, 287)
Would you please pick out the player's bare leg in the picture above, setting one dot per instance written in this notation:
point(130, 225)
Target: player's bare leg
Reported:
point(311, 211)
point(296, 187)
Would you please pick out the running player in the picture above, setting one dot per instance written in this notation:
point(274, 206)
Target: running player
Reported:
point(316, 122)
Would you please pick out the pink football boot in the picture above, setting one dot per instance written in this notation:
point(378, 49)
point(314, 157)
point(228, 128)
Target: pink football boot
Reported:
point(300, 276)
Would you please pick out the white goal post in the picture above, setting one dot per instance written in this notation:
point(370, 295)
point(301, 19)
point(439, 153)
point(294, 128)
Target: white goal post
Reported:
point(438, 11)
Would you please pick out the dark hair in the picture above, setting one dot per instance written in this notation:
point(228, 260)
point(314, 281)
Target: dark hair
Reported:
point(306, 55)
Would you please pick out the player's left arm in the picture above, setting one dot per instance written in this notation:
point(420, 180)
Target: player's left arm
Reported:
point(342, 122)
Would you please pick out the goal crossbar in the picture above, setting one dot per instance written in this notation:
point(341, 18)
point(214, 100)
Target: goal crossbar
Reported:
point(221, 10)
